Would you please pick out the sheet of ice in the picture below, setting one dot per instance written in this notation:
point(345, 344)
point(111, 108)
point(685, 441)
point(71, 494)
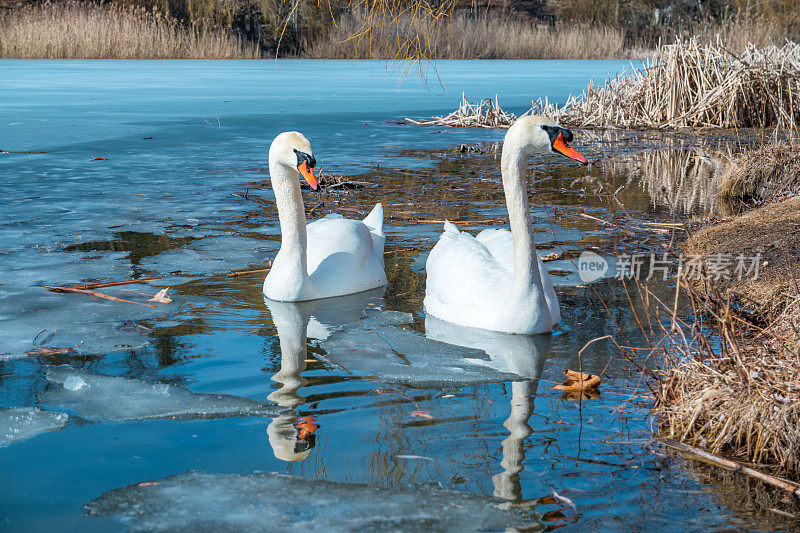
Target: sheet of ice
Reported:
point(17, 423)
point(523, 355)
point(195, 501)
point(102, 397)
point(379, 346)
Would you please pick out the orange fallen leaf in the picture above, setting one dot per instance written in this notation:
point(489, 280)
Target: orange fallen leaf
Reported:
point(99, 159)
point(422, 414)
point(577, 382)
point(147, 483)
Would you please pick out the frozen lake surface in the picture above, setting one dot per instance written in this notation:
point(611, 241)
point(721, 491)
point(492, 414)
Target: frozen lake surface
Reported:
point(157, 168)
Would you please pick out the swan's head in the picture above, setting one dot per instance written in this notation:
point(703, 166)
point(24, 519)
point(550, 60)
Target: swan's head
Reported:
point(293, 150)
point(538, 134)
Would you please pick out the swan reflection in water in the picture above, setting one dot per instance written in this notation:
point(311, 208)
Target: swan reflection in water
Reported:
point(292, 436)
point(523, 355)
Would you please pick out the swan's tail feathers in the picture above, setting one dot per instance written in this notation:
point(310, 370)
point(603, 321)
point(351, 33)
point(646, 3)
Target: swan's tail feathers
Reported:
point(374, 220)
point(449, 227)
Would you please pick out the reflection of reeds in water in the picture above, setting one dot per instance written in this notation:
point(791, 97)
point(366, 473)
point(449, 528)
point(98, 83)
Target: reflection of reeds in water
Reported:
point(684, 179)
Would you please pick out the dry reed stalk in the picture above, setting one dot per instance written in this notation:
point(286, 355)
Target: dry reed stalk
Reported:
point(688, 84)
point(441, 35)
point(485, 113)
point(77, 30)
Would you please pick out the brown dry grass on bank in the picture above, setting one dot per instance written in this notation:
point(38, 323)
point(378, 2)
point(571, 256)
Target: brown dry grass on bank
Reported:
point(761, 175)
point(460, 37)
point(730, 377)
point(689, 84)
point(74, 30)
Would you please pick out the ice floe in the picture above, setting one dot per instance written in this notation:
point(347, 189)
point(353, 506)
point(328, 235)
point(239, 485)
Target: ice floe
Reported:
point(379, 345)
point(101, 397)
point(18, 423)
point(196, 501)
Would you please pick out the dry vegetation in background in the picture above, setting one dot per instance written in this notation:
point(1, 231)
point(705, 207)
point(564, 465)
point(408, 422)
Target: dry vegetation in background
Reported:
point(689, 84)
point(762, 175)
point(462, 37)
point(397, 29)
point(75, 30)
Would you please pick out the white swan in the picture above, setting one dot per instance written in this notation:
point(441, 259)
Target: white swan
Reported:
point(496, 281)
point(333, 255)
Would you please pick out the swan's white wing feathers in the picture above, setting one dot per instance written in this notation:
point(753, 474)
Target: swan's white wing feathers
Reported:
point(462, 272)
point(500, 244)
point(374, 221)
point(344, 256)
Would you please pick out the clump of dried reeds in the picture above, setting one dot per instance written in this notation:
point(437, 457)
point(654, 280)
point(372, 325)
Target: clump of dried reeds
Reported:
point(485, 113)
point(733, 388)
point(763, 174)
point(77, 30)
point(688, 84)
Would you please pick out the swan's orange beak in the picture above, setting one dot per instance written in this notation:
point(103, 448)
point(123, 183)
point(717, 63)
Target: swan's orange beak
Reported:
point(562, 147)
point(308, 173)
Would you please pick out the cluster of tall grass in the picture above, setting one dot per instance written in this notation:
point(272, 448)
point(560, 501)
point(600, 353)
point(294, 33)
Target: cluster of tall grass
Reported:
point(465, 37)
point(730, 381)
point(77, 30)
point(689, 84)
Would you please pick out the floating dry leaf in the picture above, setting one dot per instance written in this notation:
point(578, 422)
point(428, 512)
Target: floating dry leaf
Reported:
point(99, 159)
point(161, 297)
point(577, 382)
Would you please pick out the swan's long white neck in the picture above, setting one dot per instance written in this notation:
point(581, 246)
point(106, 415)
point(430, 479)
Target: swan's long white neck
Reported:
point(291, 213)
point(526, 267)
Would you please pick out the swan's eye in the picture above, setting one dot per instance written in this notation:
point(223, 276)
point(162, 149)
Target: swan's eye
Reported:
point(304, 157)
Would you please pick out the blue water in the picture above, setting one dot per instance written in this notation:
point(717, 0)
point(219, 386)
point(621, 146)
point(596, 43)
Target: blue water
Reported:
point(182, 193)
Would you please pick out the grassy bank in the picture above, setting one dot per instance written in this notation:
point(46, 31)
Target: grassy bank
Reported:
point(726, 351)
point(75, 30)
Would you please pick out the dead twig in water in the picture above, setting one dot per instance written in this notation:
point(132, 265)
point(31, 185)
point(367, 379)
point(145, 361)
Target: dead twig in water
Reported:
point(91, 286)
point(729, 464)
point(237, 273)
point(94, 294)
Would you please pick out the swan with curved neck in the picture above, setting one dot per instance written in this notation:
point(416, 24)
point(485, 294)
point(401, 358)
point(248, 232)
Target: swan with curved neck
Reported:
point(495, 280)
point(331, 256)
